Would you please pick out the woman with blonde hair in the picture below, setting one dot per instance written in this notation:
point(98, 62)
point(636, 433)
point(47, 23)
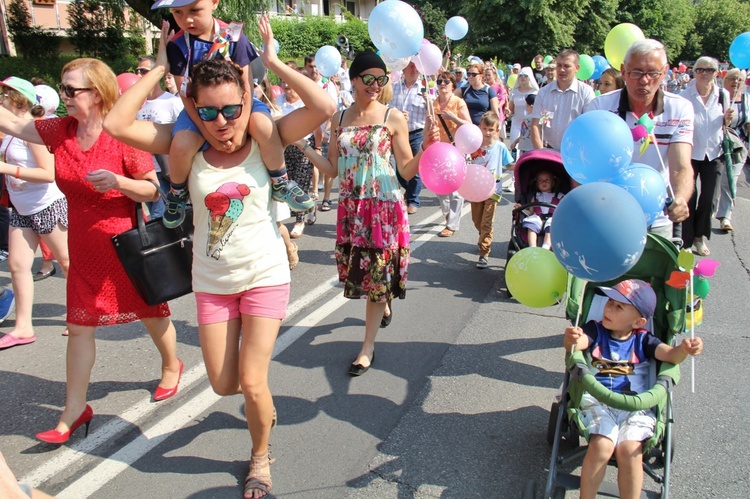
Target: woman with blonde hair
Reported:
point(102, 180)
point(734, 83)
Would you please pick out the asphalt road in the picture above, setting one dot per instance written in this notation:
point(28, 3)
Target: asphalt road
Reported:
point(456, 404)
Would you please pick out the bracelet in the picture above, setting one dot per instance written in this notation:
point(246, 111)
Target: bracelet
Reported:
point(18, 172)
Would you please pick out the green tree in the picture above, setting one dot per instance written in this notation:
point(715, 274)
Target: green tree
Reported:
point(718, 22)
point(669, 21)
point(32, 42)
point(86, 25)
point(593, 26)
point(433, 20)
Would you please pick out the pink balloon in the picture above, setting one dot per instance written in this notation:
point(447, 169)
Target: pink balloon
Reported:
point(126, 80)
point(396, 75)
point(478, 185)
point(468, 138)
point(429, 59)
point(442, 168)
point(706, 267)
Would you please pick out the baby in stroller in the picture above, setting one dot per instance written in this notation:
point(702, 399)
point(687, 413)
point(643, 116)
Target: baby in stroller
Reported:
point(538, 219)
point(621, 347)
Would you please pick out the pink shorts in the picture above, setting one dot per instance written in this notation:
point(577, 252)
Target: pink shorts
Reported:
point(268, 301)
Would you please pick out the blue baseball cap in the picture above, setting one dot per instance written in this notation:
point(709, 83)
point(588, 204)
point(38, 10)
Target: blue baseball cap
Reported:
point(171, 4)
point(633, 292)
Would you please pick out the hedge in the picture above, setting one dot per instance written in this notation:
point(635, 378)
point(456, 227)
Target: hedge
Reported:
point(299, 36)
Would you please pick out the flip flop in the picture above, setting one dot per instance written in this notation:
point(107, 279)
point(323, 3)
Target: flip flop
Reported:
point(9, 341)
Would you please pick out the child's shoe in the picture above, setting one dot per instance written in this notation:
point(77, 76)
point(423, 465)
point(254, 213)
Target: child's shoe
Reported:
point(174, 212)
point(291, 194)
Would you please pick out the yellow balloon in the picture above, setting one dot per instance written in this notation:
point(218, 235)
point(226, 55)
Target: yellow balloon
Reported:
point(512, 80)
point(619, 40)
point(535, 277)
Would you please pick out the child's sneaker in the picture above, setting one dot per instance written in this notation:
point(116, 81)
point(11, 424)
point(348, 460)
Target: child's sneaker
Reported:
point(482, 263)
point(174, 212)
point(293, 195)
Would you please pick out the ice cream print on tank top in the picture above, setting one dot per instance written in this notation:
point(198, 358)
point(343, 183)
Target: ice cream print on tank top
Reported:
point(225, 206)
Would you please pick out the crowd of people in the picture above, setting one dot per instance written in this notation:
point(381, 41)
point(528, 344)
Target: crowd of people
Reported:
point(217, 130)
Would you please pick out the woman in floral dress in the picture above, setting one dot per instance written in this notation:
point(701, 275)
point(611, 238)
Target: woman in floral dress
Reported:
point(372, 230)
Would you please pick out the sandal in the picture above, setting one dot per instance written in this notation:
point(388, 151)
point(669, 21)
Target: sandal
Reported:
point(293, 256)
point(725, 225)
point(257, 479)
point(701, 248)
point(325, 205)
point(446, 232)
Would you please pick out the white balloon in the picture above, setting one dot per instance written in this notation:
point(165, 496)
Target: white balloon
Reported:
point(429, 59)
point(328, 60)
point(395, 63)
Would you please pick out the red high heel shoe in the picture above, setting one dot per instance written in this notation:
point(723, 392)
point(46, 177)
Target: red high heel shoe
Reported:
point(165, 393)
point(59, 437)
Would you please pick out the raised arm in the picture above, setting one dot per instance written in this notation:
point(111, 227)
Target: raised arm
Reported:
point(16, 126)
point(121, 121)
point(318, 104)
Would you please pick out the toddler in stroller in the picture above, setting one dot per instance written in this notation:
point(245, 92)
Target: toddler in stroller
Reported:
point(541, 182)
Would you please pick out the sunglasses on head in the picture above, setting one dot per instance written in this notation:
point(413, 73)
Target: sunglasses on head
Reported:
point(141, 71)
point(369, 79)
point(229, 112)
point(70, 92)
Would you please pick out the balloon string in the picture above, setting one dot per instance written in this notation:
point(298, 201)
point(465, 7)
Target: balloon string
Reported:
point(670, 191)
point(428, 101)
point(579, 311)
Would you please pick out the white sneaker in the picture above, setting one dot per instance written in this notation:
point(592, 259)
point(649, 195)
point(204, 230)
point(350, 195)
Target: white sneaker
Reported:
point(297, 231)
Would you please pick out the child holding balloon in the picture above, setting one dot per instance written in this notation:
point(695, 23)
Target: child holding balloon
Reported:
point(494, 155)
point(204, 37)
point(621, 348)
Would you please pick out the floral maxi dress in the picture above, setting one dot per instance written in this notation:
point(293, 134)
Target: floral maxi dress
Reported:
point(372, 230)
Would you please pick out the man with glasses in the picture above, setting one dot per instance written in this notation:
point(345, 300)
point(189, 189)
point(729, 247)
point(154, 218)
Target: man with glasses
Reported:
point(644, 70)
point(562, 100)
point(160, 107)
point(409, 98)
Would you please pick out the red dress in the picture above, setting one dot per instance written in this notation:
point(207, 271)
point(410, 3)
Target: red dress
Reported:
point(99, 292)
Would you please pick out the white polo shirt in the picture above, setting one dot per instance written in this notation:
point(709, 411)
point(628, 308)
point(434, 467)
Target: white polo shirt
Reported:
point(673, 122)
point(566, 105)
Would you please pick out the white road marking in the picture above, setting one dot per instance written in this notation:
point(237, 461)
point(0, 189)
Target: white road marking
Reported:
point(188, 410)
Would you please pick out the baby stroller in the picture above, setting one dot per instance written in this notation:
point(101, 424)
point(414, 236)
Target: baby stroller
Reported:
point(659, 259)
point(527, 167)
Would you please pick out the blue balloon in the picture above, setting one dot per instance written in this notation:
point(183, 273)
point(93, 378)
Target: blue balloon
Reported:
point(739, 51)
point(396, 29)
point(596, 146)
point(647, 186)
point(328, 60)
point(456, 28)
point(600, 65)
point(598, 232)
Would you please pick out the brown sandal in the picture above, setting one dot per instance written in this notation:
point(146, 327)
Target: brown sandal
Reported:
point(446, 232)
point(257, 478)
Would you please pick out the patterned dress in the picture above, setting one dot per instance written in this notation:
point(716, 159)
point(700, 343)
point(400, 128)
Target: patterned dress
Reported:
point(372, 230)
point(99, 291)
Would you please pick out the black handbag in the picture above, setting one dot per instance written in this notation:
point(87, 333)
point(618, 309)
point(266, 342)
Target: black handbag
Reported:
point(158, 260)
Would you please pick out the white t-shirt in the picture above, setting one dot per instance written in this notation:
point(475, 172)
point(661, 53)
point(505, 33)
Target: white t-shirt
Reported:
point(237, 245)
point(28, 198)
point(674, 123)
point(565, 106)
point(164, 109)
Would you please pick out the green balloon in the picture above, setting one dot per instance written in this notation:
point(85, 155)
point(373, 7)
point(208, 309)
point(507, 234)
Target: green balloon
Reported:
point(700, 286)
point(535, 277)
point(587, 67)
point(548, 59)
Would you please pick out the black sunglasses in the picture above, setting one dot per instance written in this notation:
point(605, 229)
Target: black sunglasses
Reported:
point(472, 74)
point(70, 92)
point(443, 82)
point(230, 112)
point(369, 79)
point(141, 71)
point(704, 70)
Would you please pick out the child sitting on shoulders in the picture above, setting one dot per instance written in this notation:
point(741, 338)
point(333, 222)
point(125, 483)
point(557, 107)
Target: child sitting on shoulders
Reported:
point(539, 219)
point(202, 37)
point(494, 156)
point(621, 349)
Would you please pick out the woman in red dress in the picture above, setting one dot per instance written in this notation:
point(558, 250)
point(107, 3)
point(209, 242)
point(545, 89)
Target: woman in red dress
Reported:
point(101, 179)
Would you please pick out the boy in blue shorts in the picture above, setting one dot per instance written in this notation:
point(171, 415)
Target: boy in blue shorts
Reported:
point(202, 37)
point(621, 349)
point(493, 155)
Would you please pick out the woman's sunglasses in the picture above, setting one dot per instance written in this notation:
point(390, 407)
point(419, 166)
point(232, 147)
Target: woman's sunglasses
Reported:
point(141, 71)
point(369, 79)
point(443, 82)
point(210, 113)
point(70, 92)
